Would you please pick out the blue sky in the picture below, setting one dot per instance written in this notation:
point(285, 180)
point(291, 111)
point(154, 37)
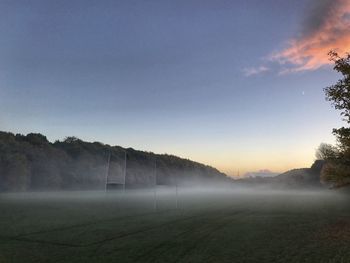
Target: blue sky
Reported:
point(165, 76)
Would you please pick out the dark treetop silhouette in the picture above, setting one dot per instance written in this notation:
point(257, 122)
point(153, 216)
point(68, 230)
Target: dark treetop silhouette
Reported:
point(31, 162)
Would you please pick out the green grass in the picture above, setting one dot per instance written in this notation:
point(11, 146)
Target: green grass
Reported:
point(207, 227)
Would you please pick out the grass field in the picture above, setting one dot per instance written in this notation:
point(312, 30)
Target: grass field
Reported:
point(236, 226)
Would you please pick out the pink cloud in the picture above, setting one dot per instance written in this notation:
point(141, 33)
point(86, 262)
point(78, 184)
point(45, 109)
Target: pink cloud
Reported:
point(310, 50)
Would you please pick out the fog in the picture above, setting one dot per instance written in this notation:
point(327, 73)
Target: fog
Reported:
point(165, 195)
point(99, 226)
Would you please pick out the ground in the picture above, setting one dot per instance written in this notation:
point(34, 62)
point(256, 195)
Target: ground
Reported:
point(205, 226)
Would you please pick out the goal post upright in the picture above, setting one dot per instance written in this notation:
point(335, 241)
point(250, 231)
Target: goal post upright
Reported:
point(124, 175)
point(107, 170)
point(155, 185)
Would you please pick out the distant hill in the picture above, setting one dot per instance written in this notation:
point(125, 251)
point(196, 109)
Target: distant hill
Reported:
point(296, 178)
point(261, 173)
point(30, 162)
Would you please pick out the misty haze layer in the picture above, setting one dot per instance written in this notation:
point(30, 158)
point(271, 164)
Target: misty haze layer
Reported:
point(195, 225)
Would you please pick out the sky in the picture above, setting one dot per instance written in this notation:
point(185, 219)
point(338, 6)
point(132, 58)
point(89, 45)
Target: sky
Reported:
point(234, 84)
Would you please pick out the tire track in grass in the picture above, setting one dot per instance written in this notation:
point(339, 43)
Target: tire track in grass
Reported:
point(209, 232)
point(23, 237)
point(146, 229)
point(44, 242)
point(88, 223)
point(127, 234)
point(207, 229)
point(159, 245)
point(102, 242)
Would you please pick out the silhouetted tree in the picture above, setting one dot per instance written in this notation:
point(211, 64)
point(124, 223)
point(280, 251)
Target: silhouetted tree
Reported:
point(71, 139)
point(339, 95)
point(337, 167)
point(36, 139)
point(326, 152)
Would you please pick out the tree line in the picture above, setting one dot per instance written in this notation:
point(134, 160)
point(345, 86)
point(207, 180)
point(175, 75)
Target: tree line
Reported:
point(30, 163)
point(336, 170)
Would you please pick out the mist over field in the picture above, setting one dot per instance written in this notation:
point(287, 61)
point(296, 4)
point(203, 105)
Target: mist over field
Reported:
point(196, 225)
point(165, 131)
point(75, 201)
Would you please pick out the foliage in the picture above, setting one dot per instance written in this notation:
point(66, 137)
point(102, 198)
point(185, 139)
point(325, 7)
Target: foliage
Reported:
point(336, 172)
point(326, 152)
point(337, 167)
point(31, 162)
point(339, 94)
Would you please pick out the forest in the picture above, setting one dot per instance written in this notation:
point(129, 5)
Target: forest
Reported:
point(32, 163)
